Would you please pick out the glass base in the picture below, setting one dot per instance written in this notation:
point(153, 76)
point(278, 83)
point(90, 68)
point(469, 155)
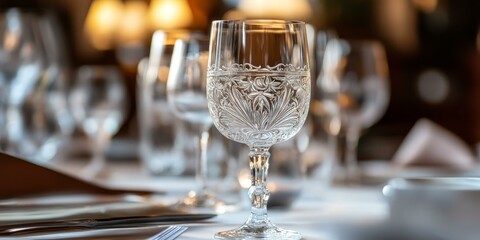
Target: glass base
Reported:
point(95, 170)
point(198, 200)
point(270, 231)
point(206, 201)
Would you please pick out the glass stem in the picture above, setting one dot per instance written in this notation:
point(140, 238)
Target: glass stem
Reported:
point(353, 134)
point(201, 171)
point(11, 129)
point(331, 161)
point(99, 144)
point(258, 192)
point(99, 155)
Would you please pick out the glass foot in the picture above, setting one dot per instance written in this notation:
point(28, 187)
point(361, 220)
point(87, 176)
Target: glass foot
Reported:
point(198, 200)
point(206, 201)
point(269, 231)
point(95, 170)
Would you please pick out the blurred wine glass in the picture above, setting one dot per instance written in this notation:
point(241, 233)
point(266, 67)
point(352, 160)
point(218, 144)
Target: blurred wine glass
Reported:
point(186, 93)
point(98, 103)
point(22, 64)
point(287, 172)
point(164, 145)
point(355, 92)
point(47, 121)
point(325, 115)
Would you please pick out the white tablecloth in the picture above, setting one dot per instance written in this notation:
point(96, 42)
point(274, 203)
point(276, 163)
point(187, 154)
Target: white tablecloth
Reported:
point(311, 215)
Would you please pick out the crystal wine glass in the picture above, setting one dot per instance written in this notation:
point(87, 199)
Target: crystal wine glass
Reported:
point(258, 94)
point(186, 94)
point(355, 92)
point(98, 103)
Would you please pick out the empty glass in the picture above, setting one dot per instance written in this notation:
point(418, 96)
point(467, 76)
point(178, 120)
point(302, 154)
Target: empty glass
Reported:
point(186, 93)
point(355, 92)
point(326, 115)
point(258, 94)
point(98, 103)
point(164, 139)
point(161, 133)
point(22, 62)
point(46, 119)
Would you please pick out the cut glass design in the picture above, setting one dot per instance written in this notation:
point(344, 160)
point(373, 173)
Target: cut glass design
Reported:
point(258, 106)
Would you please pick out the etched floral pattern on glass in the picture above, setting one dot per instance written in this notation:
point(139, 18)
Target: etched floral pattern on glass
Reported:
point(258, 106)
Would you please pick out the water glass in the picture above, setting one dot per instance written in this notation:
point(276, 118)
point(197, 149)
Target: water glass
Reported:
point(355, 87)
point(186, 94)
point(326, 118)
point(165, 147)
point(162, 136)
point(98, 102)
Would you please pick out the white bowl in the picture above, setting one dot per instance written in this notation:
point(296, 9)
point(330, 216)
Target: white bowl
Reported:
point(449, 207)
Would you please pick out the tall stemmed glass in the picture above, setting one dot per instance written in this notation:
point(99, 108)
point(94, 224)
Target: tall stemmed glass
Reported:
point(186, 94)
point(258, 94)
point(355, 79)
point(98, 103)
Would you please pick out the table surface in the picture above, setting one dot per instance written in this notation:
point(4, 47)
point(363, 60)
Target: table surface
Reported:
point(312, 213)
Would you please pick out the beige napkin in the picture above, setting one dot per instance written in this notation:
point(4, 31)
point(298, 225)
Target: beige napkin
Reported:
point(19, 178)
point(429, 144)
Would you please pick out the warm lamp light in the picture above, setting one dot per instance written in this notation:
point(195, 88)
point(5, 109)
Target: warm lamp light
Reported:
point(427, 6)
point(126, 23)
point(101, 22)
point(278, 9)
point(133, 25)
point(170, 14)
point(396, 22)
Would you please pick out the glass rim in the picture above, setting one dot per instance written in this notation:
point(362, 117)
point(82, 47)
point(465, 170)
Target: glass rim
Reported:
point(259, 22)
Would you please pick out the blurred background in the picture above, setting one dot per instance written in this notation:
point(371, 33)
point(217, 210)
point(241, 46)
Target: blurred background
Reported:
point(432, 48)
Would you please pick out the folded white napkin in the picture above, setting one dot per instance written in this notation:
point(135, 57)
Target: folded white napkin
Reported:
point(429, 144)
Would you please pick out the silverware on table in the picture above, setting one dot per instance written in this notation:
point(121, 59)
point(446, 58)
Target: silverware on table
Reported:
point(170, 233)
point(29, 228)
